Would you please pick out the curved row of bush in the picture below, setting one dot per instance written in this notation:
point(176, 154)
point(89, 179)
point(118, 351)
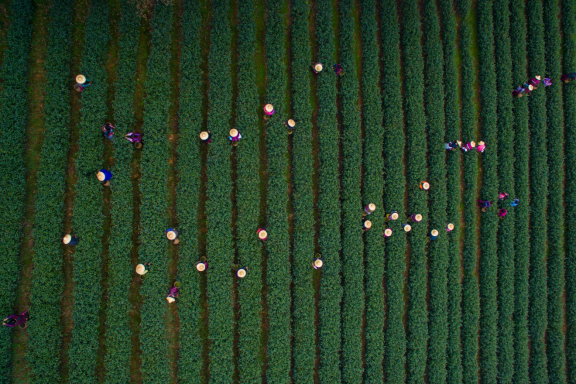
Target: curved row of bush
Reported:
point(303, 307)
point(555, 338)
point(438, 251)
point(394, 188)
point(353, 301)
point(88, 218)
point(505, 346)
point(278, 244)
point(188, 193)
point(521, 240)
point(154, 207)
point(45, 333)
point(120, 268)
point(454, 197)
point(13, 108)
point(489, 225)
point(329, 199)
point(470, 294)
point(248, 198)
point(372, 192)
point(537, 315)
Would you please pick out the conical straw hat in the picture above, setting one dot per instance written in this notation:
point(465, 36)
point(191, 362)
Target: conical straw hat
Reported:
point(269, 107)
point(80, 79)
point(367, 224)
point(434, 232)
point(201, 267)
point(372, 206)
point(481, 143)
point(425, 185)
point(204, 135)
point(171, 235)
point(530, 87)
point(407, 228)
point(318, 67)
point(262, 234)
point(394, 216)
point(241, 273)
point(101, 176)
point(388, 232)
point(472, 144)
point(67, 239)
point(140, 269)
point(318, 263)
point(233, 132)
point(170, 299)
point(418, 217)
point(450, 226)
point(538, 77)
point(291, 123)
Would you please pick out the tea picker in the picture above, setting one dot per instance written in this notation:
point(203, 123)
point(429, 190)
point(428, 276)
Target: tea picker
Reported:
point(202, 265)
point(317, 263)
point(317, 68)
point(434, 234)
point(81, 83)
point(262, 234)
point(205, 136)
point(369, 209)
point(290, 124)
point(268, 111)
point(108, 131)
point(20, 320)
point(235, 136)
point(104, 177)
point(70, 240)
point(135, 138)
point(172, 234)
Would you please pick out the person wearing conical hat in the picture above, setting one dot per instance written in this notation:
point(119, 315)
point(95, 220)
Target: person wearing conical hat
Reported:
point(416, 217)
point(568, 77)
point(241, 272)
point(433, 234)
point(388, 232)
point(202, 265)
point(262, 234)
point(135, 138)
point(269, 110)
point(235, 136)
point(528, 89)
point(514, 203)
point(108, 131)
point(518, 92)
point(16, 320)
point(369, 209)
point(317, 263)
point(81, 83)
point(206, 136)
point(502, 213)
point(338, 69)
point(141, 269)
point(104, 177)
point(290, 124)
point(172, 234)
point(392, 216)
point(469, 146)
point(70, 240)
point(366, 225)
point(481, 147)
point(449, 227)
point(424, 185)
point(317, 68)
point(172, 295)
point(484, 205)
point(535, 81)
point(502, 196)
point(406, 227)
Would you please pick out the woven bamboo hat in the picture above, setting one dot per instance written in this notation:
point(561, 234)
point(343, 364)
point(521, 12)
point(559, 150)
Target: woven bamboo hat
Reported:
point(291, 123)
point(530, 87)
point(418, 217)
point(372, 206)
point(241, 273)
point(233, 132)
point(481, 143)
point(394, 216)
point(450, 226)
point(201, 267)
point(204, 135)
point(318, 67)
point(318, 263)
point(269, 107)
point(388, 232)
point(472, 144)
point(170, 299)
point(171, 235)
point(434, 232)
point(67, 239)
point(80, 79)
point(407, 228)
point(101, 176)
point(367, 224)
point(262, 234)
point(538, 77)
point(140, 269)
point(425, 185)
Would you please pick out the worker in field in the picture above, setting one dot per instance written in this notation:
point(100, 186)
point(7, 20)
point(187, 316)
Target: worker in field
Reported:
point(268, 111)
point(568, 77)
point(290, 124)
point(502, 196)
point(424, 185)
point(317, 68)
point(369, 209)
point(317, 263)
point(241, 272)
point(518, 92)
point(172, 234)
point(81, 83)
point(70, 240)
point(108, 131)
point(20, 320)
point(502, 213)
point(338, 69)
point(388, 232)
point(104, 177)
point(202, 265)
point(547, 82)
point(528, 89)
point(514, 203)
point(449, 227)
point(142, 269)
point(135, 138)
point(173, 294)
point(434, 234)
point(484, 205)
point(451, 145)
point(469, 146)
point(366, 225)
point(416, 218)
point(406, 227)
point(481, 147)
point(535, 81)
point(392, 216)
point(235, 136)
point(205, 136)
point(262, 234)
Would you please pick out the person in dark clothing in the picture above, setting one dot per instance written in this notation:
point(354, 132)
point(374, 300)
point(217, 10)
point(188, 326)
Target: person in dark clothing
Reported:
point(108, 131)
point(518, 92)
point(338, 69)
point(70, 240)
point(16, 320)
point(484, 205)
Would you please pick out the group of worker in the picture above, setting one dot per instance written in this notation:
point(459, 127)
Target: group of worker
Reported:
point(469, 146)
point(532, 84)
point(484, 205)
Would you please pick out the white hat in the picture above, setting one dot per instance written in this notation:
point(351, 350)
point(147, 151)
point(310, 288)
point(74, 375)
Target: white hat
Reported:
point(394, 216)
point(233, 132)
point(269, 107)
point(201, 267)
point(472, 144)
point(318, 263)
point(171, 235)
point(291, 123)
point(450, 226)
point(141, 269)
point(318, 67)
point(262, 234)
point(170, 299)
point(538, 77)
point(418, 217)
point(241, 273)
point(367, 224)
point(204, 135)
point(434, 232)
point(101, 176)
point(388, 232)
point(425, 185)
point(80, 79)
point(372, 206)
point(530, 87)
point(407, 228)
point(481, 143)
point(67, 239)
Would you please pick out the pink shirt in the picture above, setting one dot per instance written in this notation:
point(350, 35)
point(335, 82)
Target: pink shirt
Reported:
point(481, 148)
